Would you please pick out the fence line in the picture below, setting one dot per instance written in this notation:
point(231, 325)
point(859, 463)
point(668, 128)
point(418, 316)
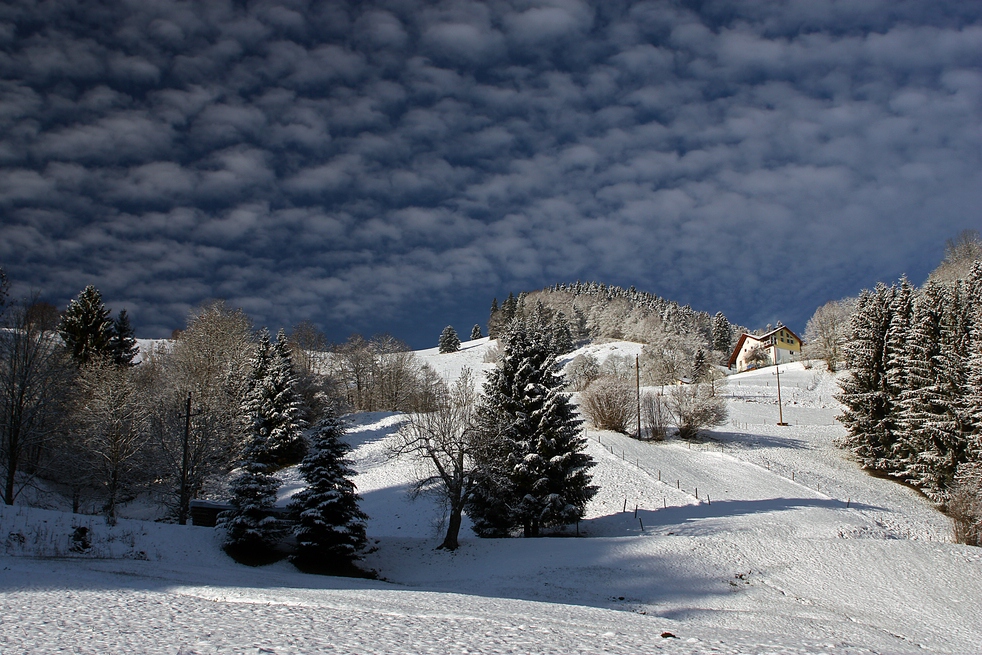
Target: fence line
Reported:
point(796, 476)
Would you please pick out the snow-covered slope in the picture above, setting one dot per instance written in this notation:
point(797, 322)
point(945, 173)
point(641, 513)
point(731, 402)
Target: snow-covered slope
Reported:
point(789, 547)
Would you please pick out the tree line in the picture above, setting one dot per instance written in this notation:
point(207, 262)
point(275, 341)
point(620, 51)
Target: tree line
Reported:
point(913, 393)
point(220, 408)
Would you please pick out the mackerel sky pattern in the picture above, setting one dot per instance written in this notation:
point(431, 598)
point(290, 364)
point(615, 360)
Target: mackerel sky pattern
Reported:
point(391, 166)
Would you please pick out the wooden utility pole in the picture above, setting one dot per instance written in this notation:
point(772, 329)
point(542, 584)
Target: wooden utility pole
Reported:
point(780, 407)
point(637, 382)
point(185, 489)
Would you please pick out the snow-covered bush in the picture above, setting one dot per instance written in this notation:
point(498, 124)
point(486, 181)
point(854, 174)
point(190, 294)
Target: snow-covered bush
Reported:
point(610, 404)
point(694, 407)
point(654, 416)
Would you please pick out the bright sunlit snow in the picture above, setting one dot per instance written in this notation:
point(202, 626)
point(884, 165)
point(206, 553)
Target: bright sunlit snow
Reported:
point(788, 548)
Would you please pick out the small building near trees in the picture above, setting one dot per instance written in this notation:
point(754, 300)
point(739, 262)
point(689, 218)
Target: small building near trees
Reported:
point(779, 346)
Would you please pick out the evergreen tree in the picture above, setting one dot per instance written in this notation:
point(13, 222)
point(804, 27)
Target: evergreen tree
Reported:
point(86, 327)
point(476, 332)
point(509, 308)
point(532, 472)
point(330, 528)
point(272, 407)
point(863, 391)
point(722, 333)
point(561, 335)
point(974, 374)
point(251, 530)
point(935, 413)
point(122, 343)
point(495, 320)
point(700, 366)
point(895, 348)
point(449, 341)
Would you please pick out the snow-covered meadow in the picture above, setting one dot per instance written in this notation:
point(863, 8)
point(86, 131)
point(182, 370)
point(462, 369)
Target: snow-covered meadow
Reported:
point(762, 539)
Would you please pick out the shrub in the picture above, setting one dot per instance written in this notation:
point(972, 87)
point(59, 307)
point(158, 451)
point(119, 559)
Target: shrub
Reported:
point(654, 415)
point(694, 407)
point(610, 403)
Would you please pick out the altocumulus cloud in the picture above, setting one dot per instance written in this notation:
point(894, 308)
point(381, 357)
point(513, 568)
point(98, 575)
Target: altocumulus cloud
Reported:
point(391, 165)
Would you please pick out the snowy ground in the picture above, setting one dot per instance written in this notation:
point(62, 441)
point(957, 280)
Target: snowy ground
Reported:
point(788, 548)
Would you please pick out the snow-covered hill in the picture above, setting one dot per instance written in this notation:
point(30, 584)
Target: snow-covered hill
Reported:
point(788, 548)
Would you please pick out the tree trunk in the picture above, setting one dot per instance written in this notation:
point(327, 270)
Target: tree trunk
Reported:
point(450, 542)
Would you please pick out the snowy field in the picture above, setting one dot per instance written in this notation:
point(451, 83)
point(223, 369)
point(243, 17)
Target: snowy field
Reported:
point(761, 539)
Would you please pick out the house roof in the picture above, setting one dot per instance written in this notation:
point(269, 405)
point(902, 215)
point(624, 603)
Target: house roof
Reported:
point(761, 337)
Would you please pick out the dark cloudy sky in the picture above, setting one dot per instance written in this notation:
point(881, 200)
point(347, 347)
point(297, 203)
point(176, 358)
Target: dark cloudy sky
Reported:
point(393, 165)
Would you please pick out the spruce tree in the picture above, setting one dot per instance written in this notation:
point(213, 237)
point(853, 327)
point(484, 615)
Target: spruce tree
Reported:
point(476, 332)
point(722, 333)
point(936, 416)
point(532, 471)
point(700, 366)
point(330, 527)
point(509, 308)
point(272, 407)
point(273, 427)
point(974, 373)
point(122, 343)
point(86, 327)
point(495, 320)
point(251, 530)
point(561, 335)
point(895, 349)
point(449, 341)
point(863, 391)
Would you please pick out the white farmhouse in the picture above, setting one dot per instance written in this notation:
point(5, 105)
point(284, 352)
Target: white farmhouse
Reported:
point(779, 346)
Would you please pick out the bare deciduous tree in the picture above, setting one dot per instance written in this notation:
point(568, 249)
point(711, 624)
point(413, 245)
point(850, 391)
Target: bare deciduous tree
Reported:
point(319, 391)
point(443, 440)
point(960, 253)
point(34, 381)
point(209, 362)
point(827, 332)
point(965, 504)
point(111, 417)
point(380, 374)
point(583, 370)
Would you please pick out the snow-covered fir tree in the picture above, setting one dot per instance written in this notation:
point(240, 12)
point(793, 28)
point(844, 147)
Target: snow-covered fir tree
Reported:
point(122, 343)
point(863, 390)
point(496, 320)
point(86, 327)
point(273, 428)
point(934, 416)
point(476, 332)
point(532, 471)
point(272, 407)
point(330, 527)
point(560, 335)
point(251, 530)
point(700, 366)
point(895, 349)
point(449, 341)
point(974, 375)
point(913, 393)
point(722, 333)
